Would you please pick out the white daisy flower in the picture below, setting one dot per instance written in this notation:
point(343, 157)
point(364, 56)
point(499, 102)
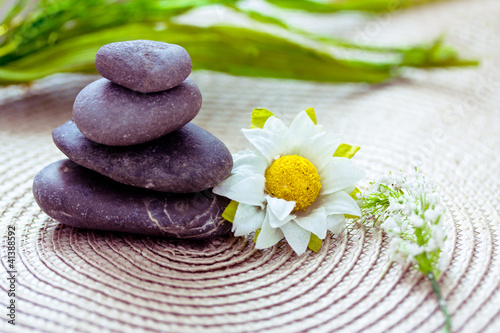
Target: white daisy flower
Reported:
point(296, 185)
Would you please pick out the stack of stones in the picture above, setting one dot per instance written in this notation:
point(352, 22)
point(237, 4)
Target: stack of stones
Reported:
point(136, 164)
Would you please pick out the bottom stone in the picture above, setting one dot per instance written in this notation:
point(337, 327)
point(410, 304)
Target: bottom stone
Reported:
point(83, 198)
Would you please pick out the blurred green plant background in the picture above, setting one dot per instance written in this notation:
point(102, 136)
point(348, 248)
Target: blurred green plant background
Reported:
point(39, 38)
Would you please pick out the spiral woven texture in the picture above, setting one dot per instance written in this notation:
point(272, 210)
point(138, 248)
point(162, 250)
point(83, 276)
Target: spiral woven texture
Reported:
point(447, 121)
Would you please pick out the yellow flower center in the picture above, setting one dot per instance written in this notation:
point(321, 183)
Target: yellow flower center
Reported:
point(293, 178)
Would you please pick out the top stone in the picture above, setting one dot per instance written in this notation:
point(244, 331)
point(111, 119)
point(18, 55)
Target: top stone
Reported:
point(144, 66)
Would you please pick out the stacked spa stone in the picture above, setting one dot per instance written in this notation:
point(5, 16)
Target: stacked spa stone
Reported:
point(136, 164)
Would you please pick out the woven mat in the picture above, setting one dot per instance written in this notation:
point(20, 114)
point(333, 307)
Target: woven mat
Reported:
point(446, 121)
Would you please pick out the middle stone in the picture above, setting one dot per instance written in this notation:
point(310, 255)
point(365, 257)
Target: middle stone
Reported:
point(113, 115)
point(184, 161)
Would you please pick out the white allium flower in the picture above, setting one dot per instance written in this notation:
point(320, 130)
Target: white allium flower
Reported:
point(394, 206)
point(432, 214)
point(291, 186)
point(417, 221)
point(412, 249)
point(394, 244)
point(408, 209)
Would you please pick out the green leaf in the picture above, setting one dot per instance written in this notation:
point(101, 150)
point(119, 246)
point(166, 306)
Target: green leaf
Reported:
point(259, 117)
point(345, 150)
point(312, 114)
point(257, 232)
point(229, 49)
point(335, 6)
point(355, 193)
point(230, 211)
point(261, 17)
point(40, 38)
point(435, 54)
point(315, 243)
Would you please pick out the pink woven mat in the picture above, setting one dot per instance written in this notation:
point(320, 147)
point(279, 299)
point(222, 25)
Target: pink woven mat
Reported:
point(446, 121)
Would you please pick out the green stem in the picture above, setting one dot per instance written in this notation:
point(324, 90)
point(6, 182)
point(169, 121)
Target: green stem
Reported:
point(442, 304)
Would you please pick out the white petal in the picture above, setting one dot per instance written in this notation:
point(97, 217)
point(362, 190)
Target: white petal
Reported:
point(319, 149)
point(349, 189)
point(274, 222)
point(340, 203)
point(301, 129)
point(248, 161)
point(244, 188)
point(280, 208)
point(297, 237)
point(315, 222)
point(268, 236)
point(276, 125)
point(248, 218)
point(335, 223)
point(268, 143)
point(339, 174)
point(319, 128)
point(303, 124)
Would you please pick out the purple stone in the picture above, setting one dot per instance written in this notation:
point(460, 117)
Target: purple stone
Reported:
point(113, 115)
point(143, 65)
point(83, 198)
point(187, 160)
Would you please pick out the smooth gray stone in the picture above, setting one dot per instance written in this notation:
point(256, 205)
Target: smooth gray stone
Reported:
point(187, 160)
point(113, 115)
point(144, 65)
point(83, 198)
